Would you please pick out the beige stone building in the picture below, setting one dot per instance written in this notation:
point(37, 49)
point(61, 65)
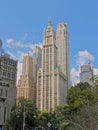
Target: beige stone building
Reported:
point(62, 43)
point(51, 82)
point(37, 58)
point(26, 84)
point(8, 74)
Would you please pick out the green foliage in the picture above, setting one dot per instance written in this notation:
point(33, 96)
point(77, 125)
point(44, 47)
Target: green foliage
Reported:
point(81, 110)
point(43, 119)
point(47, 117)
point(80, 95)
point(22, 108)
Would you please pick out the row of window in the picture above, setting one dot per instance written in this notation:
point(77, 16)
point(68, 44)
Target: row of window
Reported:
point(8, 68)
point(9, 75)
point(7, 62)
point(4, 84)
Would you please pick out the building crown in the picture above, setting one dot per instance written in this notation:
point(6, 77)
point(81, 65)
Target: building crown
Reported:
point(49, 25)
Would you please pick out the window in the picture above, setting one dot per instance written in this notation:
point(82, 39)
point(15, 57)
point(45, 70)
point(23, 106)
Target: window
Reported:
point(4, 114)
point(1, 92)
point(6, 93)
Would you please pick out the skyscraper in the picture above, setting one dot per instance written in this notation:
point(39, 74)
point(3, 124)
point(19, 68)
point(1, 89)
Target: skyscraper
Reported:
point(62, 43)
point(51, 82)
point(8, 75)
point(86, 73)
point(26, 84)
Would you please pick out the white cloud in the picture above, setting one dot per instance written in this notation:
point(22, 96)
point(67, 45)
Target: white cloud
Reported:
point(20, 44)
point(74, 76)
point(95, 71)
point(10, 40)
point(16, 55)
point(84, 57)
point(12, 54)
point(19, 72)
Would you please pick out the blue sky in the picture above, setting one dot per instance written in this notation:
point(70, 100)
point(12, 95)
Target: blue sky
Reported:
point(22, 23)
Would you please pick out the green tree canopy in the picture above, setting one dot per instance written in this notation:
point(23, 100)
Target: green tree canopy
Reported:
point(80, 112)
point(23, 110)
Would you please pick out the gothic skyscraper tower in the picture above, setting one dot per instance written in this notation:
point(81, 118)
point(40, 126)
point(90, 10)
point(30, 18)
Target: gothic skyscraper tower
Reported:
point(51, 82)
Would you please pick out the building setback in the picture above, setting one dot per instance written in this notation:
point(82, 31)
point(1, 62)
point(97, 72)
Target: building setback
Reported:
point(26, 84)
point(8, 74)
point(51, 82)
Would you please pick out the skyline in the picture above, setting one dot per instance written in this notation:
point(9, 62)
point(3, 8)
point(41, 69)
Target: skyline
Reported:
point(22, 25)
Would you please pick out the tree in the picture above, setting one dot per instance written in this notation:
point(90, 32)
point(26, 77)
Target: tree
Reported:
point(43, 118)
point(87, 119)
point(83, 104)
point(80, 95)
point(48, 119)
point(80, 112)
point(23, 111)
point(61, 113)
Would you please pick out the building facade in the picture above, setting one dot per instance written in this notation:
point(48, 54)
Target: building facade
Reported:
point(8, 75)
point(26, 84)
point(62, 43)
point(51, 82)
point(86, 74)
point(37, 58)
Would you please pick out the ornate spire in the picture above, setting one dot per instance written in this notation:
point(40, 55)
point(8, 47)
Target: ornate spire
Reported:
point(49, 25)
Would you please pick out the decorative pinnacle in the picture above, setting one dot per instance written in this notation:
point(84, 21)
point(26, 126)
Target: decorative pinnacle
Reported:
point(49, 25)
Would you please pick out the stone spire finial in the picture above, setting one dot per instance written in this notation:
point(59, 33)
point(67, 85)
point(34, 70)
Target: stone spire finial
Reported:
point(49, 25)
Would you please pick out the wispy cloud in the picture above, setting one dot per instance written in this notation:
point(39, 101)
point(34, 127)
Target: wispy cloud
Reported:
point(19, 72)
point(74, 76)
point(16, 55)
point(10, 40)
point(95, 71)
point(19, 44)
point(84, 57)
